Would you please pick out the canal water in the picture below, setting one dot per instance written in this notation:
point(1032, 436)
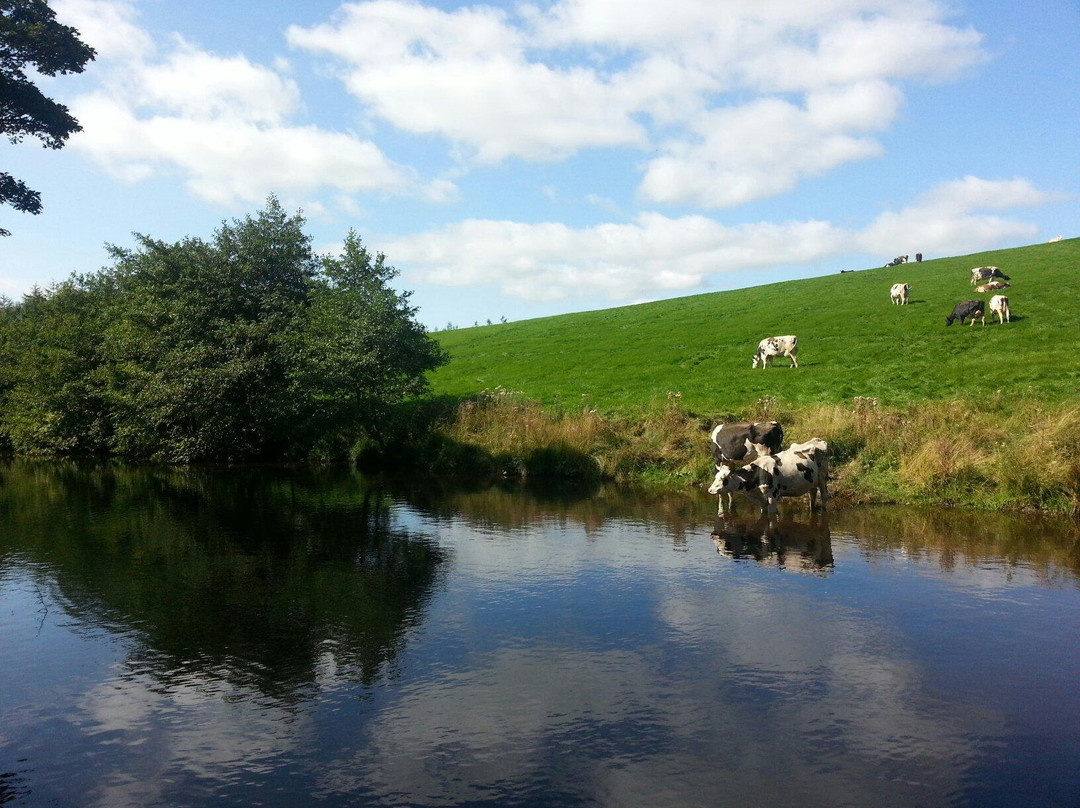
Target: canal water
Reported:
point(289, 637)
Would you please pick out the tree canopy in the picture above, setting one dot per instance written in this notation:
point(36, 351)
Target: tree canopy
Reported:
point(245, 346)
point(31, 36)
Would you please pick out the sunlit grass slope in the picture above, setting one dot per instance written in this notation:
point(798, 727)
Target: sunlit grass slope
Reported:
point(852, 342)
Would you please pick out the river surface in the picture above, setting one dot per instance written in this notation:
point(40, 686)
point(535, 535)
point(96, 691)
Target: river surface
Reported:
point(313, 637)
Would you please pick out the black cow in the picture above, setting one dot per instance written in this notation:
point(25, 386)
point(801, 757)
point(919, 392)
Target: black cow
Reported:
point(743, 442)
point(968, 309)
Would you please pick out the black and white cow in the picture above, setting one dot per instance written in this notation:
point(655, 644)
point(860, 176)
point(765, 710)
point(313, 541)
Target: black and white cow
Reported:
point(740, 443)
point(900, 259)
point(777, 346)
point(899, 293)
point(973, 309)
point(980, 274)
point(801, 469)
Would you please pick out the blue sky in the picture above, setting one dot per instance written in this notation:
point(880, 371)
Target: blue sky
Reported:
point(519, 160)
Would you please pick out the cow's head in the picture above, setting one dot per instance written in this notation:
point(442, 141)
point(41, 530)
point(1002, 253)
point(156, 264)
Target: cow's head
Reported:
point(758, 357)
point(725, 481)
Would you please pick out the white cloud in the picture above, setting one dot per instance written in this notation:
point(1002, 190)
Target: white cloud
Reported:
point(656, 254)
point(196, 84)
point(716, 84)
point(222, 123)
point(464, 75)
point(228, 160)
point(108, 26)
point(765, 147)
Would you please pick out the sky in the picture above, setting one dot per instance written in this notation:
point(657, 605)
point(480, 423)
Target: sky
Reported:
point(517, 160)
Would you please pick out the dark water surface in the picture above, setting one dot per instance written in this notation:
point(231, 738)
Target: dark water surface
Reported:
point(309, 637)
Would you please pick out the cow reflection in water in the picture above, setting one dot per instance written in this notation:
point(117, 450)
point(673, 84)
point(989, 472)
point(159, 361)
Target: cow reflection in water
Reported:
point(801, 546)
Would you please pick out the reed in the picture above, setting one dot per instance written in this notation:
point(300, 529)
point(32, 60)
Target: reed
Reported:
point(1023, 456)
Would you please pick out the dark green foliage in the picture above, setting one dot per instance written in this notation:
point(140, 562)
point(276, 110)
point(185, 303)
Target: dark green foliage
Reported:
point(30, 35)
point(247, 346)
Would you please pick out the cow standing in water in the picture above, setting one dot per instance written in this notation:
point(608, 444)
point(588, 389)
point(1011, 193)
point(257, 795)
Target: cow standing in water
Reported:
point(777, 346)
point(801, 469)
point(740, 443)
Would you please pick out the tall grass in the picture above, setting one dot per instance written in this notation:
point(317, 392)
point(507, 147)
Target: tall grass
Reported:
point(1024, 456)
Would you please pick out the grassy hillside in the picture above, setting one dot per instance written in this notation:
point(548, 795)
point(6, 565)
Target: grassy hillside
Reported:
point(852, 342)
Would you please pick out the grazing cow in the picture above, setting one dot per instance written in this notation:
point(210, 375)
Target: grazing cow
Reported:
point(993, 286)
point(999, 305)
point(743, 442)
point(900, 259)
point(980, 274)
point(802, 469)
point(1054, 240)
point(777, 346)
point(899, 293)
point(918, 258)
point(975, 309)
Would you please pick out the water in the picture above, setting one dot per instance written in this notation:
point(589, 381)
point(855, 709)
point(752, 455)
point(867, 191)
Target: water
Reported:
point(290, 637)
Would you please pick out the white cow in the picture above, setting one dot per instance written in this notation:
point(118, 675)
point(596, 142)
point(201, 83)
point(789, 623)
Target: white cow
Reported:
point(899, 293)
point(999, 305)
point(777, 346)
point(801, 469)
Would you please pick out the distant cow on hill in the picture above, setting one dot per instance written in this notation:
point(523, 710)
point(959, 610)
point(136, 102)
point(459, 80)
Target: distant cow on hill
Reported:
point(973, 309)
point(980, 274)
point(899, 293)
point(777, 346)
point(900, 259)
point(999, 305)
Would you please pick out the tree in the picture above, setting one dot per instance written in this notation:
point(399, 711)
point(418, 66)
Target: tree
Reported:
point(30, 35)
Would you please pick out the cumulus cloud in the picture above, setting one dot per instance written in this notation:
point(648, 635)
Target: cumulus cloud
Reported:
point(224, 124)
point(754, 96)
point(464, 74)
point(656, 254)
point(108, 26)
point(765, 147)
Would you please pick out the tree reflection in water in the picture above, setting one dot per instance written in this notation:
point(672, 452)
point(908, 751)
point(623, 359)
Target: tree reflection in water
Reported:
point(252, 577)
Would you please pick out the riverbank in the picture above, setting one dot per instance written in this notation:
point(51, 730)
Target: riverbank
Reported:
point(991, 454)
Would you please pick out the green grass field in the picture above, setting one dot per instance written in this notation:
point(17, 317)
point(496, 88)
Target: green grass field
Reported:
point(852, 342)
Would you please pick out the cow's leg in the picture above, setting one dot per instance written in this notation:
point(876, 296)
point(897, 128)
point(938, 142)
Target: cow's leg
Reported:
point(813, 499)
point(823, 488)
point(794, 361)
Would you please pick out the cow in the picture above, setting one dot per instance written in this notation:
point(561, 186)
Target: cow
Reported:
point(801, 469)
point(974, 309)
point(980, 274)
point(992, 287)
point(777, 346)
point(918, 258)
point(899, 293)
point(1054, 240)
point(900, 259)
point(999, 305)
point(739, 443)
